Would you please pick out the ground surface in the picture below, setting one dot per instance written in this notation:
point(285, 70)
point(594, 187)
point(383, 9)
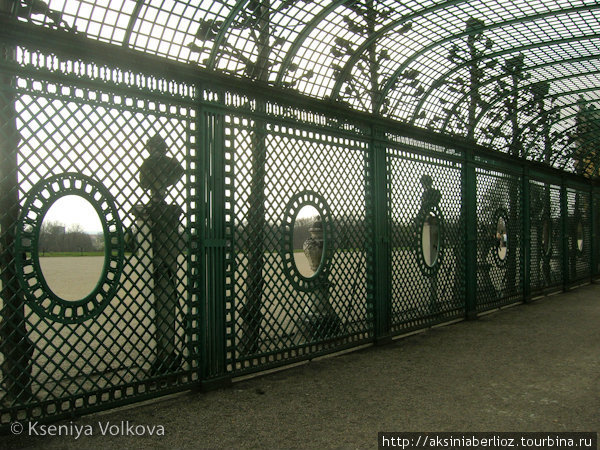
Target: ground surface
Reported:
point(533, 367)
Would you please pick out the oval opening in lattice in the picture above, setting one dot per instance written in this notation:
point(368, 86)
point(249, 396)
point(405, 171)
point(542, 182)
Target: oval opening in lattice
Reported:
point(430, 239)
point(44, 296)
point(66, 251)
point(501, 238)
point(305, 210)
point(546, 237)
point(308, 230)
point(579, 236)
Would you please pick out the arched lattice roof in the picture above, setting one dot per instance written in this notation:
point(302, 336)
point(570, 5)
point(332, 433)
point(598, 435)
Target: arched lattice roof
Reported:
point(520, 76)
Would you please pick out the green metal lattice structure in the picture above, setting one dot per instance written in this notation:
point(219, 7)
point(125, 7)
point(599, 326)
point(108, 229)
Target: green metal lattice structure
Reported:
point(450, 150)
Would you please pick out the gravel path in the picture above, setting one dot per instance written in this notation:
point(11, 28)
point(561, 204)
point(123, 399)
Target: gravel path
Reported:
point(533, 367)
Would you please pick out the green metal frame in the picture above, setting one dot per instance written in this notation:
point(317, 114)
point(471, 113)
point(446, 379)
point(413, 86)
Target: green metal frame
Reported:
point(429, 270)
point(296, 203)
point(500, 213)
point(31, 278)
point(86, 105)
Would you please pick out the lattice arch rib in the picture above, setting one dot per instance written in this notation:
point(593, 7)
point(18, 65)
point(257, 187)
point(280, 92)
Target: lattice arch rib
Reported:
point(378, 56)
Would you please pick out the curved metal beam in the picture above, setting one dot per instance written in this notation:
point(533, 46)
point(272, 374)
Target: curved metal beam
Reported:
point(393, 78)
point(562, 94)
point(501, 53)
point(493, 55)
point(593, 162)
point(132, 20)
point(499, 77)
point(212, 59)
point(557, 154)
point(562, 118)
point(373, 38)
point(596, 132)
point(303, 35)
point(568, 156)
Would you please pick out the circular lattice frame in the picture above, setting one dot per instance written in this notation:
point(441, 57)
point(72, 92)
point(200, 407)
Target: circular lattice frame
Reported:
point(500, 213)
point(39, 295)
point(427, 270)
point(579, 223)
point(296, 203)
point(546, 219)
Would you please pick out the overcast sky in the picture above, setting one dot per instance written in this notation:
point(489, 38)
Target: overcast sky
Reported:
point(71, 210)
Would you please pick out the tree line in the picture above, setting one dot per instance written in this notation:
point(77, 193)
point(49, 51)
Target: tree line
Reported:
point(57, 237)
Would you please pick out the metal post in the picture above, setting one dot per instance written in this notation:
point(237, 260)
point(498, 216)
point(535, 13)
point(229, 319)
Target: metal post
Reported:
point(213, 254)
point(379, 198)
point(526, 239)
point(594, 205)
point(470, 210)
point(15, 345)
point(564, 212)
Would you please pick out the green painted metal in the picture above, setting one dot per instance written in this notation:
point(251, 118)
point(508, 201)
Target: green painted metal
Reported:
point(303, 35)
point(132, 21)
point(207, 175)
point(300, 280)
point(565, 229)
point(378, 188)
point(546, 272)
point(429, 266)
point(470, 213)
point(484, 28)
point(496, 100)
point(381, 31)
point(594, 235)
point(214, 244)
point(221, 36)
point(35, 286)
point(490, 105)
point(526, 233)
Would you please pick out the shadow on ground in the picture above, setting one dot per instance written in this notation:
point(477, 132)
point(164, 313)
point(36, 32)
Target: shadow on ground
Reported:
point(533, 367)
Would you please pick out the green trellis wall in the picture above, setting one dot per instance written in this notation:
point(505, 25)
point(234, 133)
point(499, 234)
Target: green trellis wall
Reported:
point(244, 157)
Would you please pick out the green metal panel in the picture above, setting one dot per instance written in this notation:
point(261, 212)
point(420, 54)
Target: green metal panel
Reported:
point(425, 290)
point(213, 184)
point(291, 321)
point(546, 236)
point(499, 237)
point(136, 145)
point(579, 235)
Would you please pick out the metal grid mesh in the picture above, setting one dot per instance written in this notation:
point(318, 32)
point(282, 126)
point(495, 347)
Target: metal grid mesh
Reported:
point(579, 238)
point(120, 351)
point(499, 261)
point(272, 319)
point(241, 170)
point(422, 296)
point(433, 63)
point(596, 236)
point(546, 236)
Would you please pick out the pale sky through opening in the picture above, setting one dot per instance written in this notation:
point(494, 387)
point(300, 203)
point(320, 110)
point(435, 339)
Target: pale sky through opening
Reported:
point(71, 210)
